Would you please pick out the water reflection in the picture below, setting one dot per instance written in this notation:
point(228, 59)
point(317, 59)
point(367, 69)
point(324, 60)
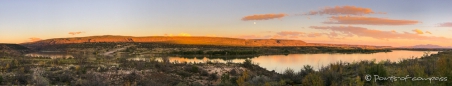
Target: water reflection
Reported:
point(51, 55)
point(296, 61)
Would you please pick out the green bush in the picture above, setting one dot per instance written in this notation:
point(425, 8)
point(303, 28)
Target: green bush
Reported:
point(1, 79)
point(312, 79)
point(248, 63)
point(379, 70)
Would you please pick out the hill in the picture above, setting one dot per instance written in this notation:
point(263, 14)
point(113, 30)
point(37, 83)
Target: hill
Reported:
point(427, 46)
point(221, 41)
point(170, 39)
point(13, 49)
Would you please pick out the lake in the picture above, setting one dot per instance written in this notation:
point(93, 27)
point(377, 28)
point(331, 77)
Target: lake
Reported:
point(296, 61)
point(276, 62)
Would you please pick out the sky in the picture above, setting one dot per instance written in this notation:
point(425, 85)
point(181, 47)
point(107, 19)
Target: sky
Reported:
point(362, 22)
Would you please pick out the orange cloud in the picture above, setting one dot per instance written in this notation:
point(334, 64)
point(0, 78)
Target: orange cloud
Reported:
point(75, 33)
point(360, 31)
point(368, 21)
point(184, 34)
point(344, 10)
point(393, 31)
point(263, 17)
point(33, 39)
point(314, 34)
point(180, 34)
point(254, 37)
point(290, 33)
point(447, 24)
point(428, 32)
point(418, 31)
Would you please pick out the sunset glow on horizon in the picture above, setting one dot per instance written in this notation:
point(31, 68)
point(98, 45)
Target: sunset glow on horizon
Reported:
point(380, 23)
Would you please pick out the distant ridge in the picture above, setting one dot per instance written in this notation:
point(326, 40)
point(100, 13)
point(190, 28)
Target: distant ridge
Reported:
point(426, 46)
point(13, 49)
point(223, 41)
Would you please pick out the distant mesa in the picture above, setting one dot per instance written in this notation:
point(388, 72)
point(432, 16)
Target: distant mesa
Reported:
point(427, 46)
point(172, 39)
point(223, 41)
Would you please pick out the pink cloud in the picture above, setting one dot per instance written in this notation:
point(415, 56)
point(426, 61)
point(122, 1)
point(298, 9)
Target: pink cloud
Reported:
point(378, 34)
point(253, 37)
point(447, 24)
point(75, 33)
point(344, 10)
point(290, 33)
point(314, 34)
point(263, 17)
point(368, 21)
point(428, 32)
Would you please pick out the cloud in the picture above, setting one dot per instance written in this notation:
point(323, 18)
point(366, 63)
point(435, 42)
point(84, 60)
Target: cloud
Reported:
point(368, 21)
point(314, 34)
point(33, 39)
point(184, 34)
point(180, 34)
point(393, 31)
point(290, 33)
point(168, 34)
point(378, 34)
point(263, 17)
point(418, 31)
point(75, 33)
point(428, 32)
point(447, 24)
point(254, 37)
point(344, 10)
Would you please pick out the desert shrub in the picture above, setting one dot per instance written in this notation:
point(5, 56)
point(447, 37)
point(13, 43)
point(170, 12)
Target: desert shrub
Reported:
point(40, 81)
point(379, 70)
point(225, 80)
point(247, 63)
point(21, 79)
point(233, 72)
point(1, 79)
point(94, 79)
point(213, 76)
point(259, 80)
point(182, 84)
point(184, 74)
point(444, 64)
point(241, 81)
point(289, 76)
point(196, 84)
point(204, 73)
point(59, 77)
point(192, 68)
point(312, 79)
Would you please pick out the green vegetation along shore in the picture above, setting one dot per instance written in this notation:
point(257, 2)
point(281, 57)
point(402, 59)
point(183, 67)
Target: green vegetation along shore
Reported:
point(102, 71)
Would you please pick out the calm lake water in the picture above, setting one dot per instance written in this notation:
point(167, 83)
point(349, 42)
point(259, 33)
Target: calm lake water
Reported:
point(296, 61)
point(279, 62)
